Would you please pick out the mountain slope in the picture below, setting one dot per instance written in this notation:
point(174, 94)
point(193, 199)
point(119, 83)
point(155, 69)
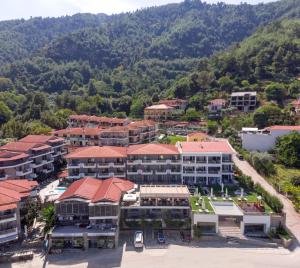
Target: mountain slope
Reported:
point(144, 51)
point(21, 38)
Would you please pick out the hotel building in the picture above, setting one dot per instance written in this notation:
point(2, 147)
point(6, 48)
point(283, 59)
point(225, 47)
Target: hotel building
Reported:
point(153, 163)
point(30, 156)
point(13, 194)
point(96, 121)
point(187, 163)
point(161, 203)
point(88, 214)
point(134, 133)
point(97, 162)
point(206, 163)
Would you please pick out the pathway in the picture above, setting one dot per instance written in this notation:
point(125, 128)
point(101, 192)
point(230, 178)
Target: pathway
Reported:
point(292, 217)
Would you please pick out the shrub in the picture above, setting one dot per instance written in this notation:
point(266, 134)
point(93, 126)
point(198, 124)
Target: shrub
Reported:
point(271, 200)
point(263, 163)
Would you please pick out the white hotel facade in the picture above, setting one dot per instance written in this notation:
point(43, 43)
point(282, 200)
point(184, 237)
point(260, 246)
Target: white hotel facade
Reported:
point(187, 163)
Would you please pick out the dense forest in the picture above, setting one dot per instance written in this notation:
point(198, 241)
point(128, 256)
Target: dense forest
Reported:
point(115, 65)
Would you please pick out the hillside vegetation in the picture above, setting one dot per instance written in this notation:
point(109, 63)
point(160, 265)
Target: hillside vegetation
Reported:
point(116, 65)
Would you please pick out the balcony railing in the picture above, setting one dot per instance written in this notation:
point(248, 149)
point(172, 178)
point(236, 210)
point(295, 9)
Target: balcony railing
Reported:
point(8, 231)
point(8, 216)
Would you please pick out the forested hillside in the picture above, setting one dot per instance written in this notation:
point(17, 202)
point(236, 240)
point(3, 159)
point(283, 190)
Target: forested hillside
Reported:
point(93, 45)
point(116, 65)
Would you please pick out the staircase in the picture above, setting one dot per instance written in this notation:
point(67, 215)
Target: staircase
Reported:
point(231, 232)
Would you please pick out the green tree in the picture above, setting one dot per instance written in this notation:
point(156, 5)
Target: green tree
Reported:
point(275, 91)
point(226, 84)
point(191, 115)
point(48, 217)
point(212, 127)
point(288, 149)
point(267, 115)
point(5, 113)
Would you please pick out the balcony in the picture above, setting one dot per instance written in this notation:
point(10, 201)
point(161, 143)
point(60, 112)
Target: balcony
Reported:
point(23, 172)
point(3, 177)
point(87, 165)
point(8, 217)
point(135, 162)
point(8, 232)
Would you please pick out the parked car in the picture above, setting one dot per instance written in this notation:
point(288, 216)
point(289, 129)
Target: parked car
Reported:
point(161, 238)
point(138, 239)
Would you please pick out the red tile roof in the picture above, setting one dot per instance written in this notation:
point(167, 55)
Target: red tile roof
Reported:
point(291, 128)
point(23, 146)
point(98, 152)
point(173, 102)
point(218, 102)
point(96, 190)
point(206, 146)
point(7, 207)
point(7, 156)
point(98, 119)
point(22, 186)
point(79, 131)
point(152, 148)
point(159, 107)
point(8, 196)
point(40, 139)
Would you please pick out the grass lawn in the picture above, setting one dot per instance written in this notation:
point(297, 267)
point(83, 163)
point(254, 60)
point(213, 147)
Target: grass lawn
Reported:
point(196, 207)
point(174, 139)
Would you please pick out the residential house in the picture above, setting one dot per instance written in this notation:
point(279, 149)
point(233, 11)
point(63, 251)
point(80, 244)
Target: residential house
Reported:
point(216, 105)
point(158, 112)
point(243, 101)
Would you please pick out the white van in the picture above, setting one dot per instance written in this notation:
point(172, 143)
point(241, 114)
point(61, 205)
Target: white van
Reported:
point(138, 239)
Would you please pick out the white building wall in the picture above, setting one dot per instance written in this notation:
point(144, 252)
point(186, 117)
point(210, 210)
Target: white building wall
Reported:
point(262, 142)
point(256, 219)
point(206, 218)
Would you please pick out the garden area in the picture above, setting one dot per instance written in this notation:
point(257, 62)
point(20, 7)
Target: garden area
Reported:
point(170, 139)
point(287, 181)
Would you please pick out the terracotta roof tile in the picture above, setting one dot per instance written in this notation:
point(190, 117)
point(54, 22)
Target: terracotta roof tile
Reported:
point(8, 155)
point(23, 146)
point(40, 139)
point(152, 148)
point(98, 152)
point(98, 190)
point(206, 146)
point(159, 107)
point(291, 128)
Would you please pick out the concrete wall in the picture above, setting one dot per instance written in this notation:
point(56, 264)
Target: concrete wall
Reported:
point(261, 142)
point(256, 219)
point(206, 218)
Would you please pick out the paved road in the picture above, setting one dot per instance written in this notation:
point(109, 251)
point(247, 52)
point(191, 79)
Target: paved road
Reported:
point(292, 217)
point(204, 254)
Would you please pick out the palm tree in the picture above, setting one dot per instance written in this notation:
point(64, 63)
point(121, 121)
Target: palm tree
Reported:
point(48, 217)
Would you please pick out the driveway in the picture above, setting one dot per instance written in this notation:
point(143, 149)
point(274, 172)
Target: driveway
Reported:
point(292, 217)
